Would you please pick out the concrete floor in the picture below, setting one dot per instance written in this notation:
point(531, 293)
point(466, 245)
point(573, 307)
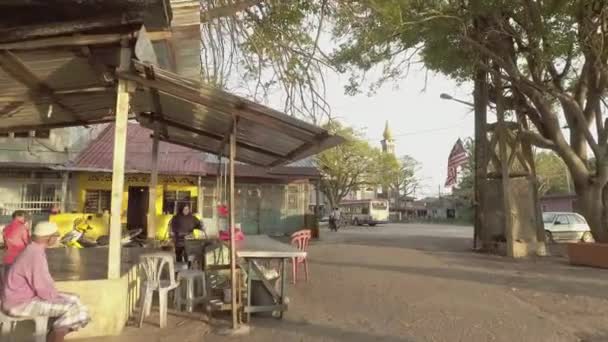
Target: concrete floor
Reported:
point(401, 283)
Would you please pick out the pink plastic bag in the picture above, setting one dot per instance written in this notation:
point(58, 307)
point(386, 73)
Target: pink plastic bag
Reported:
point(238, 235)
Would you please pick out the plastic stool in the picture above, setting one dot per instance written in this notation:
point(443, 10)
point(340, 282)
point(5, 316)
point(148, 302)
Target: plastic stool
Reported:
point(9, 324)
point(192, 289)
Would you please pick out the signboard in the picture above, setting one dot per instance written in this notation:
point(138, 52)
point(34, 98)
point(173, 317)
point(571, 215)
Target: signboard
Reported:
point(143, 179)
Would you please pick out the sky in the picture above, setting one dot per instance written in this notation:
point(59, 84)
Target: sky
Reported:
point(423, 125)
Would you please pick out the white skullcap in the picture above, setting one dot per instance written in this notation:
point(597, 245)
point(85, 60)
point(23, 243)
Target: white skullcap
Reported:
point(45, 229)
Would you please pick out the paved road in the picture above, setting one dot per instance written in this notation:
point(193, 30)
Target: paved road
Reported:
point(403, 283)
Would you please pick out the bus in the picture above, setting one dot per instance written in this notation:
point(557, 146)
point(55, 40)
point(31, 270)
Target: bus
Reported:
point(362, 212)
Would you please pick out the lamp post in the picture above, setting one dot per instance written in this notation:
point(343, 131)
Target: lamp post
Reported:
point(449, 97)
point(480, 94)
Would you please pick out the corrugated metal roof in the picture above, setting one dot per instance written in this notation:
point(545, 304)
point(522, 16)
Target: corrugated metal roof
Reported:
point(195, 115)
point(172, 159)
point(46, 88)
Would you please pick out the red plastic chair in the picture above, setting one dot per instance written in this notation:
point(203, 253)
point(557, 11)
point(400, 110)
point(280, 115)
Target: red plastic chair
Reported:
point(300, 240)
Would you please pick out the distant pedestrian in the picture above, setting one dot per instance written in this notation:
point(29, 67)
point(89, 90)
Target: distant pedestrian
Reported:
point(334, 219)
point(16, 237)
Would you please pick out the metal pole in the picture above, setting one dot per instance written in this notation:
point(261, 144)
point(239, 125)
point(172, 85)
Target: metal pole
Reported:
point(151, 229)
point(231, 223)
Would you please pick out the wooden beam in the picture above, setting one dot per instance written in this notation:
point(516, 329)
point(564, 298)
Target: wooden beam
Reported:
point(208, 134)
point(59, 93)
point(23, 128)
point(158, 107)
point(21, 33)
point(226, 139)
point(19, 71)
point(217, 103)
point(81, 40)
point(302, 148)
point(118, 168)
point(171, 140)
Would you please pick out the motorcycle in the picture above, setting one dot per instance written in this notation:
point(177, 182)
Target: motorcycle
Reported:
point(76, 238)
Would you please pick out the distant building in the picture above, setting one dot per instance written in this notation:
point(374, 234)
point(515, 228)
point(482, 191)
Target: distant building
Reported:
point(388, 143)
point(31, 172)
point(561, 202)
point(266, 201)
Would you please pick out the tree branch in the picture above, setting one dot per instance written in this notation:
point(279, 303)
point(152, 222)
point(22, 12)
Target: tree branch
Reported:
point(227, 10)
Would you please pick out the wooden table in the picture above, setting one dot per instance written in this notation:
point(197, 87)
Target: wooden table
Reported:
point(256, 247)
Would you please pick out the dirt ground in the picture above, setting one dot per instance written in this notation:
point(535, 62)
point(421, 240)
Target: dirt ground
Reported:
point(401, 283)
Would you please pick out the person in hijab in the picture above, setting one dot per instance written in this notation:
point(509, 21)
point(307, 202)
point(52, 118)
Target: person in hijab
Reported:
point(182, 225)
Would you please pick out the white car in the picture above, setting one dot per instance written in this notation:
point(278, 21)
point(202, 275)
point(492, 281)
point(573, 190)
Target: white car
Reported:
point(564, 226)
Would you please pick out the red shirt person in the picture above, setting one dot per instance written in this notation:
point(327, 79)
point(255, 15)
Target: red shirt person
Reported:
point(16, 237)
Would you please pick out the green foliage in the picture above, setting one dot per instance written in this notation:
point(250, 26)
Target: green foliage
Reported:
point(550, 171)
point(399, 176)
point(396, 34)
point(348, 167)
point(552, 174)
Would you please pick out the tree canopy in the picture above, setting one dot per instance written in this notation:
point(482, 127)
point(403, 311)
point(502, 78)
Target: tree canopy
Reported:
point(354, 165)
point(547, 62)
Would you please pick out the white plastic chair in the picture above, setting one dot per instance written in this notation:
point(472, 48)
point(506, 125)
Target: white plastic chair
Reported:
point(153, 265)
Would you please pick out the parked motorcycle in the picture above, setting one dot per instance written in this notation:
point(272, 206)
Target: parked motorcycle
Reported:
point(76, 238)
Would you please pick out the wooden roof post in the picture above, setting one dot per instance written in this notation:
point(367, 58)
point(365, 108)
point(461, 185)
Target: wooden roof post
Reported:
point(65, 178)
point(199, 198)
point(118, 169)
point(151, 229)
point(231, 224)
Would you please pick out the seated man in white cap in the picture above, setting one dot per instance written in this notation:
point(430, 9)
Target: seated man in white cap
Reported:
point(29, 290)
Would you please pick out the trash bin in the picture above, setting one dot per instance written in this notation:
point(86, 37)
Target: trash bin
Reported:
point(259, 294)
point(261, 297)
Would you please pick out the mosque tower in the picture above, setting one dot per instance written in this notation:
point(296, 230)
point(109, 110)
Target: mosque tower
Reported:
point(388, 143)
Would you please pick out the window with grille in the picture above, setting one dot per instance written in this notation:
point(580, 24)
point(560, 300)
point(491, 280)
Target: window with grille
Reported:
point(97, 201)
point(292, 197)
point(208, 204)
point(39, 192)
point(174, 200)
point(25, 134)
point(42, 133)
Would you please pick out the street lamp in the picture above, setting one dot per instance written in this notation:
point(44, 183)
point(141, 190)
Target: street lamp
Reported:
point(449, 97)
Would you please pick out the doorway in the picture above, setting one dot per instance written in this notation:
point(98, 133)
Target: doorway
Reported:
point(137, 209)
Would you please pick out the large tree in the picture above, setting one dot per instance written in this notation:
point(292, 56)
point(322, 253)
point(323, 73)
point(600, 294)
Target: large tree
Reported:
point(548, 61)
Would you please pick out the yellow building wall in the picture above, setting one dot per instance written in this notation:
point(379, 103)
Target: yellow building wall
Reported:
point(103, 181)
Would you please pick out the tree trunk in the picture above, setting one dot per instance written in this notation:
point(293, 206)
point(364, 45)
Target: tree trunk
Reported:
point(591, 203)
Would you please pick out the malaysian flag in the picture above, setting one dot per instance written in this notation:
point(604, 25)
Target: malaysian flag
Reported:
point(457, 158)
